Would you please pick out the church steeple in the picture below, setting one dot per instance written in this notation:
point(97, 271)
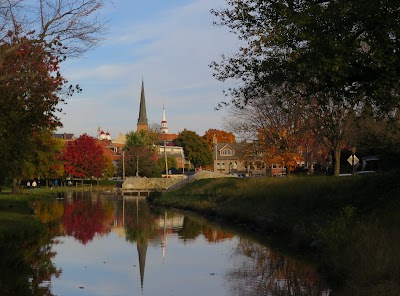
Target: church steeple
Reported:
point(164, 126)
point(142, 123)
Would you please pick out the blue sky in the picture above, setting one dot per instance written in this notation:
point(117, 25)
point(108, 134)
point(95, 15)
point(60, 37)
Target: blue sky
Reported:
point(168, 43)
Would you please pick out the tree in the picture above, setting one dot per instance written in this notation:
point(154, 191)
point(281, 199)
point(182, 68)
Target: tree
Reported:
point(84, 158)
point(34, 40)
point(195, 148)
point(140, 138)
point(65, 27)
point(276, 129)
point(140, 155)
point(28, 104)
point(171, 162)
point(109, 169)
point(220, 135)
point(332, 53)
point(45, 158)
point(140, 161)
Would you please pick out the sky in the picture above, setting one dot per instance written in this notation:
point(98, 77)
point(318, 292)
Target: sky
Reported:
point(167, 43)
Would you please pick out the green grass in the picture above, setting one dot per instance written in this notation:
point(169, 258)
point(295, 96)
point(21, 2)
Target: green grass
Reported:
point(285, 202)
point(17, 222)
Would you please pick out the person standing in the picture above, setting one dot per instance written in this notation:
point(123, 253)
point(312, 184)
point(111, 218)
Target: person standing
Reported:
point(34, 184)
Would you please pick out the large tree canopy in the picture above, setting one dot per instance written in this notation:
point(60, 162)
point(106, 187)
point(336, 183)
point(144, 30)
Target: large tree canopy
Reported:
point(84, 158)
point(35, 37)
point(28, 102)
point(195, 147)
point(220, 136)
point(349, 50)
point(337, 56)
point(69, 27)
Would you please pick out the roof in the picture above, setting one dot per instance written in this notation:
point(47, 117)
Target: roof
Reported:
point(241, 150)
point(64, 136)
point(166, 137)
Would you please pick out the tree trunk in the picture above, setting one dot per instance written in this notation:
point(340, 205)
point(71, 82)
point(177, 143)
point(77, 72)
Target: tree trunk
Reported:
point(288, 173)
point(15, 186)
point(336, 160)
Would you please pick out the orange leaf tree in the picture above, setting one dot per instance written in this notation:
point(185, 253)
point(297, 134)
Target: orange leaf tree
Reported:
point(221, 136)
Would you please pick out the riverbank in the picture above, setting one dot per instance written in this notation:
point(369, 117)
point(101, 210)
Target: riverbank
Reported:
point(17, 218)
point(352, 223)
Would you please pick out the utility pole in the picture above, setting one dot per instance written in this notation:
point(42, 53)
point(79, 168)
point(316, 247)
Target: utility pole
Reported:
point(166, 160)
point(137, 165)
point(123, 164)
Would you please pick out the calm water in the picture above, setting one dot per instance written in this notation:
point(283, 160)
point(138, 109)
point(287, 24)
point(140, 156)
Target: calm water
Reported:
point(101, 245)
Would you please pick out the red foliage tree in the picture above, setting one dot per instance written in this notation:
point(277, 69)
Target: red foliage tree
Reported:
point(84, 158)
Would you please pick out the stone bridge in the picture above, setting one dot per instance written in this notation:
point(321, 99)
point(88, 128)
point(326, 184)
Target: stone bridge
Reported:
point(148, 184)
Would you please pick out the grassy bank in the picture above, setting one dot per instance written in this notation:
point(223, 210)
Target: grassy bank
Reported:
point(353, 221)
point(16, 214)
point(17, 221)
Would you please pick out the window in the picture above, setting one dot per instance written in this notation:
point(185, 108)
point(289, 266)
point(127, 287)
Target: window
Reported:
point(227, 152)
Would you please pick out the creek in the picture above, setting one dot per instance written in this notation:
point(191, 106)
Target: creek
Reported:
point(108, 245)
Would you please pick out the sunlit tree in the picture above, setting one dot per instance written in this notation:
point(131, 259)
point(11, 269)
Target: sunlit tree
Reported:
point(84, 158)
point(195, 147)
point(220, 135)
point(34, 39)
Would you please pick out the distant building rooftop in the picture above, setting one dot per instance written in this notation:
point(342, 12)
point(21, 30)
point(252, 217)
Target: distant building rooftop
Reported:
point(64, 136)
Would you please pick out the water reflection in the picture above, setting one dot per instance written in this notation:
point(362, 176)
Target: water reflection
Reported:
point(262, 271)
point(26, 260)
point(179, 254)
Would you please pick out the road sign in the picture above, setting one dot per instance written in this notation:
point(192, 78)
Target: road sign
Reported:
point(352, 161)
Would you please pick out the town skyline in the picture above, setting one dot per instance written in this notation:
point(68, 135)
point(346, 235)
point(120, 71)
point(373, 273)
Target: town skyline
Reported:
point(169, 46)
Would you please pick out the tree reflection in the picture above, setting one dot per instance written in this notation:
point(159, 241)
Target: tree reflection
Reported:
point(195, 226)
point(259, 270)
point(84, 219)
point(25, 261)
point(140, 223)
point(50, 213)
point(190, 229)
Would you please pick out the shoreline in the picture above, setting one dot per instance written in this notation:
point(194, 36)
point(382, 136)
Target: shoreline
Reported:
point(351, 224)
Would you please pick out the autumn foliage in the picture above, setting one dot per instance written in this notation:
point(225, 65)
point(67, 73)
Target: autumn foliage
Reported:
point(83, 220)
point(221, 136)
point(83, 158)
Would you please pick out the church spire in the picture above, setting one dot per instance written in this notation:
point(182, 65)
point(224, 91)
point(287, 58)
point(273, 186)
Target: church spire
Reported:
point(142, 123)
point(164, 126)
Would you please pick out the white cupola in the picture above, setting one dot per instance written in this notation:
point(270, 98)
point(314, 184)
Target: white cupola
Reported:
point(164, 126)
